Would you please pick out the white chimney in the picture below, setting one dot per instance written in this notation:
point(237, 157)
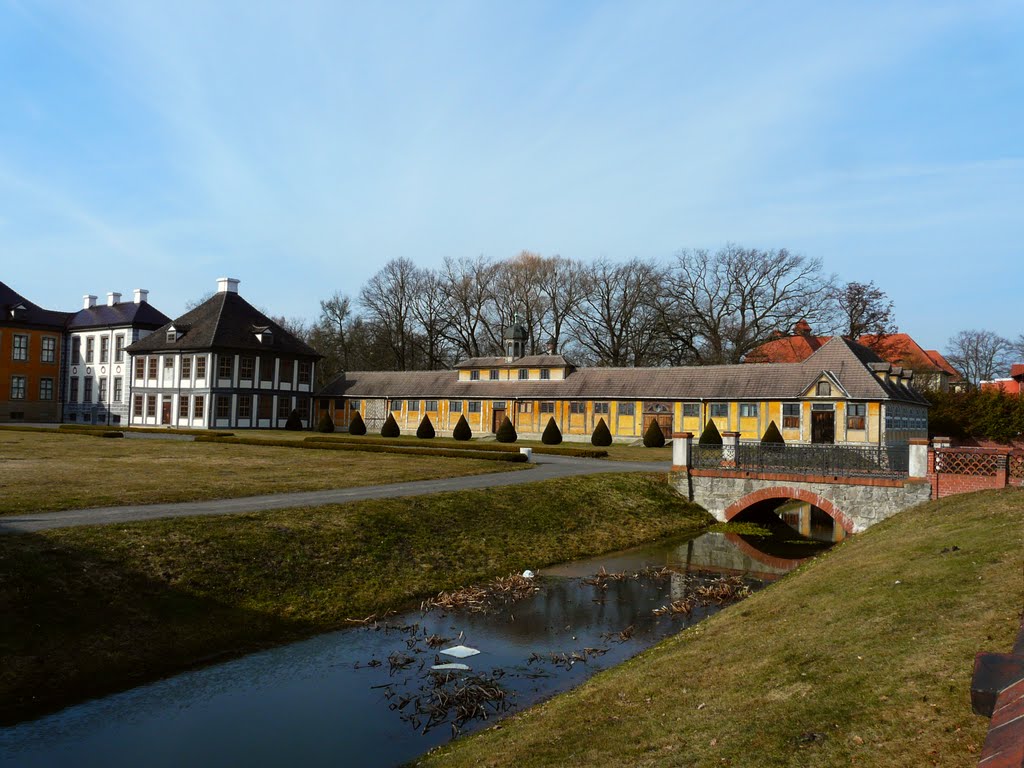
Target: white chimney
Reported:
point(227, 285)
point(88, 301)
point(113, 298)
point(141, 295)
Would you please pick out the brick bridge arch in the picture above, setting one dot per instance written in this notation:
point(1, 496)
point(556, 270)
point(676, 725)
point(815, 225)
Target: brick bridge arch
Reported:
point(786, 492)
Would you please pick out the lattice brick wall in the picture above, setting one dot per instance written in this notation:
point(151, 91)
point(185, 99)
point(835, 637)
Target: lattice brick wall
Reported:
point(1016, 466)
point(954, 462)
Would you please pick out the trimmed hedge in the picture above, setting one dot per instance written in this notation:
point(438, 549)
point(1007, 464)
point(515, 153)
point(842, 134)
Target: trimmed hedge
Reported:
point(462, 430)
point(331, 444)
point(294, 423)
point(710, 435)
point(552, 434)
point(772, 436)
point(390, 428)
point(654, 437)
point(602, 435)
point(357, 426)
point(506, 432)
point(553, 450)
point(326, 423)
point(425, 431)
point(92, 428)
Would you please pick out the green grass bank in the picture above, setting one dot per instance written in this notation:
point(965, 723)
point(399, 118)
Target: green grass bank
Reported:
point(87, 611)
point(862, 657)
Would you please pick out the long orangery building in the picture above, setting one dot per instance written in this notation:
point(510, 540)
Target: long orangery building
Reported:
point(843, 393)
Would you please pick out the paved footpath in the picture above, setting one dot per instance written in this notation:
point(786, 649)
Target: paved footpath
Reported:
point(546, 468)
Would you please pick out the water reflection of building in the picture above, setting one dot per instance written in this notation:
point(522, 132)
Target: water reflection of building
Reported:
point(727, 554)
point(809, 521)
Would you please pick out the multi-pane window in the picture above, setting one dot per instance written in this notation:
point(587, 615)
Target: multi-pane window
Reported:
point(183, 406)
point(17, 387)
point(266, 406)
point(87, 393)
point(495, 374)
point(791, 415)
point(137, 406)
point(524, 373)
point(46, 389)
point(76, 350)
point(119, 348)
point(600, 409)
point(526, 407)
point(284, 407)
point(455, 406)
point(73, 394)
point(169, 362)
point(153, 363)
point(430, 405)
point(287, 368)
point(394, 405)
point(719, 410)
point(577, 407)
point(748, 410)
point(266, 369)
point(824, 389)
point(223, 406)
point(246, 368)
point(303, 407)
point(305, 367)
point(118, 389)
point(201, 367)
point(20, 348)
point(691, 409)
point(225, 366)
point(186, 367)
point(104, 349)
point(547, 407)
point(90, 349)
point(474, 406)
point(140, 367)
point(101, 391)
point(545, 373)
point(412, 405)
point(244, 407)
point(197, 407)
point(151, 405)
point(49, 351)
point(353, 405)
point(626, 409)
point(474, 375)
point(856, 415)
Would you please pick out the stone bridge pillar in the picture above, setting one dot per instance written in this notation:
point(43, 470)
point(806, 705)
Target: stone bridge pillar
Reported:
point(682, 448)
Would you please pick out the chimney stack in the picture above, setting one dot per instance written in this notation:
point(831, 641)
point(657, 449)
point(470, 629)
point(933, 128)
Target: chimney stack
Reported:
point(227, 285)
point(88, 301)
point(141, 295)
point(113, 298)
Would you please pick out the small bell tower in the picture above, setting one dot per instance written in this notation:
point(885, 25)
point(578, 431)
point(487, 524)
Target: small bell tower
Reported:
point(514, 340)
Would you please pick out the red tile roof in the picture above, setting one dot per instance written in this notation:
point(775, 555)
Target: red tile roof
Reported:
point(1017, 371)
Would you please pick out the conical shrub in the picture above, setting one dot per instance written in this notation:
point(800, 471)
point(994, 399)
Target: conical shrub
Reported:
point(552, 434)
point(425, 431)
point(506, 431)
point(710, 435)
point(462, 430)
point(654, 437)
point(772, 436)
point(326, 423)
point(294, 423)
point(602, 436)
point(390, 428)
point(357, 426)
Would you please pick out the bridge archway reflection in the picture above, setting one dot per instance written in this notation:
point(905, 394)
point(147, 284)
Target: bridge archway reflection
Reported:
point(808, 512)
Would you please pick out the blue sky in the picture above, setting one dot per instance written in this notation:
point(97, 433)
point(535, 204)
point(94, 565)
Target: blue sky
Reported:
point(299, 146)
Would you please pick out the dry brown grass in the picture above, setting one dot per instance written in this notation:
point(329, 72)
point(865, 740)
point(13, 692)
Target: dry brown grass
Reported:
point(46, 472)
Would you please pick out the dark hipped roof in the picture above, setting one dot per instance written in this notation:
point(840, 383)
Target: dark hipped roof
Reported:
point(224, 321)
point(140, 315)
point(847, 362)
point(15, 309)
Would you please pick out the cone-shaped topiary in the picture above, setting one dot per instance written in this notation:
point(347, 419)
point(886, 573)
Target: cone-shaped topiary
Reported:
point(772, 436)
point(326, 423)
point(602, 437)
point(357, 426)
point(425, 431)
point(552, 434)
point(654, 437)
point(390, 428)
point(462, 430)
point(710, 435)
point(506, 432)
point(294, 423)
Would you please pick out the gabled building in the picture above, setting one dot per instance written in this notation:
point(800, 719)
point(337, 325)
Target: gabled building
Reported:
point(842, 393)
point(223, 364)
point(1010, 385)
point(97, 380)
point(931, 370)
point(31, 346)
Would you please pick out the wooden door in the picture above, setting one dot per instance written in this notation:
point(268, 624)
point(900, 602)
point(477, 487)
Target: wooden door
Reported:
point(497, 416)
point(165, 415)
point(823, 426)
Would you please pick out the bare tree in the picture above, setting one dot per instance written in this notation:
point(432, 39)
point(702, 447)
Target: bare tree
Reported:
point(864, 308)
point(718, 307)
point(429, 309)
point(469, 292)
point(979, 355)
point(388, 298)
point(562, 286)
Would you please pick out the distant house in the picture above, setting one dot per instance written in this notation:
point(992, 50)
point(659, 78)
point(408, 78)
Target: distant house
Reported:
point(98, 383)
point(931, 370)
point(1011, 385)
point(31, 346)
point(223, 364)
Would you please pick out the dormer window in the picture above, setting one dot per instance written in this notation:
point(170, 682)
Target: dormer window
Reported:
point(173, 335)
point(524, 373)
point(494, 374)
point(545, 373)
point(474, 375)
point(263, 334)
point(824, 389)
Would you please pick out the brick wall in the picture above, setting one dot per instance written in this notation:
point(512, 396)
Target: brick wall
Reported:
point(963, 470)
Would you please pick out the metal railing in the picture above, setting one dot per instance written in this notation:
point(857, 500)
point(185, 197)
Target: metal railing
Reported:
point(891, 461)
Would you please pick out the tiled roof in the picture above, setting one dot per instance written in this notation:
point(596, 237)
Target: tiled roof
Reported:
point(141, 314)
point(17, 310)
point(846, 361)
point(787, 349)
point(530, 361)
point(224, 321)
point(1016, 370)
point(941, 362)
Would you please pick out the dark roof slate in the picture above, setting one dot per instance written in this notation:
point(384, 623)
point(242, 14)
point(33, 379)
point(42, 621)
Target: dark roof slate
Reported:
point(845, 360)
point(28, 313)
point(224, 321)
point(141, 315)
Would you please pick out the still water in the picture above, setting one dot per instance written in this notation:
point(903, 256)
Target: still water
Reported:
point(351, 697)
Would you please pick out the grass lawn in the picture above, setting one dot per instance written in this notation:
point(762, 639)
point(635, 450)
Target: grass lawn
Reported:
point(91, 610)
point(46, 472)
point(862, 657)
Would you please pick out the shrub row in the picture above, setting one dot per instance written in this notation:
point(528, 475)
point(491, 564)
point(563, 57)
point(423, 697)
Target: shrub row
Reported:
point(332, 444)
point(976, 414)
point(562, 450)
point(92, 428)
